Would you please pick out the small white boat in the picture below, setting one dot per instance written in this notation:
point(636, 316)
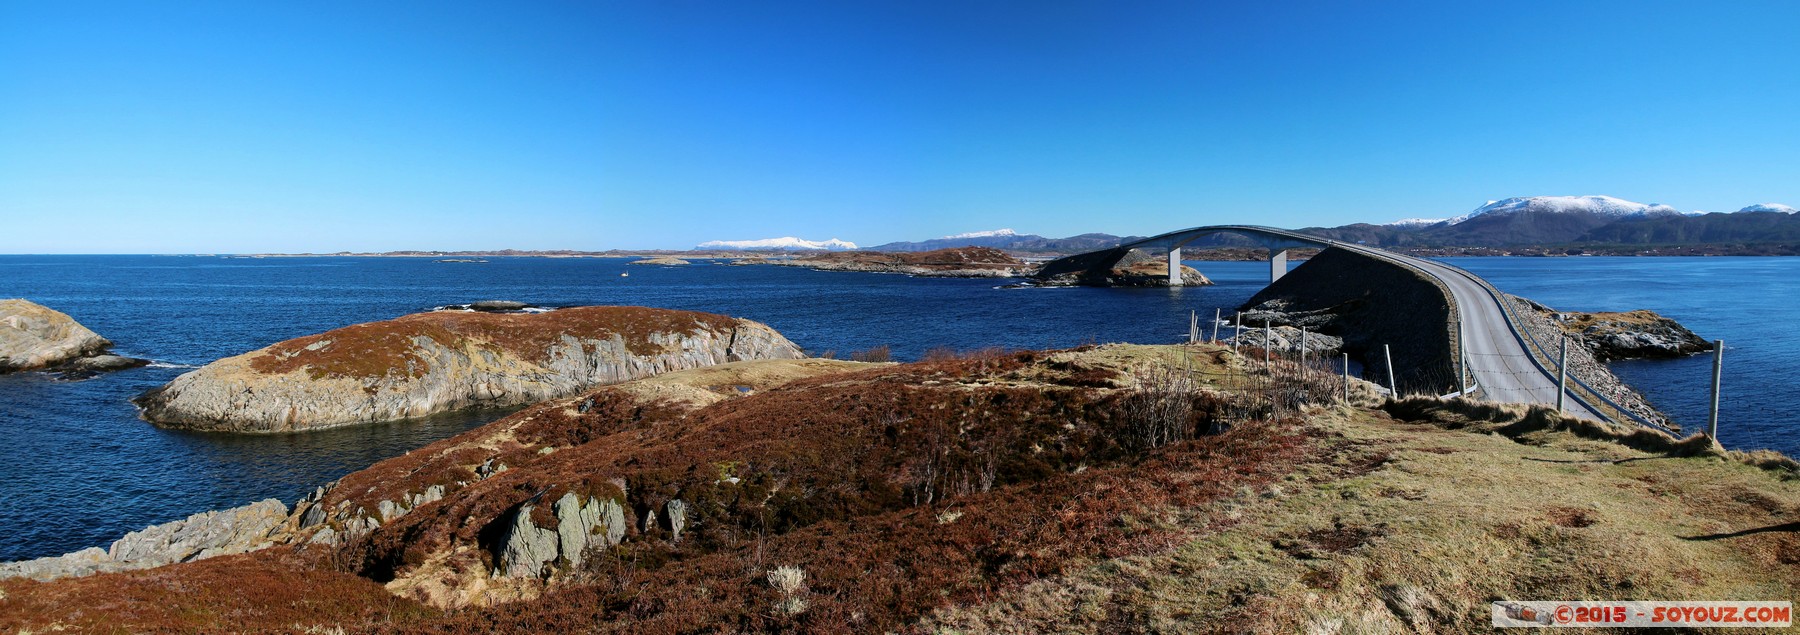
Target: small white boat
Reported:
point(626, 274)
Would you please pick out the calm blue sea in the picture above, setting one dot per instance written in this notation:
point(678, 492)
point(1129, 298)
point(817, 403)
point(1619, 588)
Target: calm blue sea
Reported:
point(82, 470)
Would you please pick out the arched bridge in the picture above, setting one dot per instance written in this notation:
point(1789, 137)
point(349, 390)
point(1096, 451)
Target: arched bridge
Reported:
point(1506, 364)
point(1278, 241)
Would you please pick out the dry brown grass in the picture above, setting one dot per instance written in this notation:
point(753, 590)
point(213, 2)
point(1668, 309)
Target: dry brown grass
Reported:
point(268, 591)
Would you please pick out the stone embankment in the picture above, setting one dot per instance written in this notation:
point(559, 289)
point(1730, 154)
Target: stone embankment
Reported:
point(960, 262)
point(1586, 361)
point(426, 363)
point(35, 337)
point(198, 537)
point(1367, 303)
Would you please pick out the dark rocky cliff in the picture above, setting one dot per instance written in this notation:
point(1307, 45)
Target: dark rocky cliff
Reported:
point(1368, 303)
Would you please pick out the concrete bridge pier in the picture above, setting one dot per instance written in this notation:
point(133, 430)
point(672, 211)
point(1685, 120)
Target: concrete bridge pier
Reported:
point(1277, 264)
point(1174, 266)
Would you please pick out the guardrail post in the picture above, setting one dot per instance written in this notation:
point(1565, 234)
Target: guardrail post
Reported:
point(1215, 337)
point(1462, 361)
point(1389, 356)
point(1712, 419)
point(1562, 374)
point(1346, 378)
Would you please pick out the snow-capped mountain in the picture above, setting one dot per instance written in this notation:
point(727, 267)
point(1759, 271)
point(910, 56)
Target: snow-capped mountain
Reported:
point(992, 233)
point(785, 243)
point(1600, 205)
point(1769, 207)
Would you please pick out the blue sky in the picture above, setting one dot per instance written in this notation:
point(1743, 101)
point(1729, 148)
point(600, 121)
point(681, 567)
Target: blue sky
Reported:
point(147, 127)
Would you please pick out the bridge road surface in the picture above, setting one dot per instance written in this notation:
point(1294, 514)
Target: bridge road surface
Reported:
point(1497, 357)
point(1498, 360)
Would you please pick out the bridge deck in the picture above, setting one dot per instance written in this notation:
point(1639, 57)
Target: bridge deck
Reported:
point(1499, 359)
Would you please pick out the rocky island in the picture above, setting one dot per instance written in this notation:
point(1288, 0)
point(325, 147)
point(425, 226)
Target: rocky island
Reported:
point(35, 337)
point(959, 262)
point(426, 363)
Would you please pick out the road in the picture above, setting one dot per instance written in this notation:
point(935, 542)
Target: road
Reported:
point(1498, 360)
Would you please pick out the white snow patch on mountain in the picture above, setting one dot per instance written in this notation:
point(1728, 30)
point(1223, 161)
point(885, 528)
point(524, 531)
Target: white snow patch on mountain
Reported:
point(1602, 205)
point(992, 233)
point(783, 243)
point(1415, 222)
point(1769, 207)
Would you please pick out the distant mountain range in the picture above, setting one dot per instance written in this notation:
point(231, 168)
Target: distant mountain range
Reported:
point(1528, 221)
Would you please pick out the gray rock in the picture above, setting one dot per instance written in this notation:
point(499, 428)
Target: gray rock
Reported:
point(198, 537)
point(33, 336)
point(527, 549)
point(677, 513)
point(499, 305)
point(1286, 339)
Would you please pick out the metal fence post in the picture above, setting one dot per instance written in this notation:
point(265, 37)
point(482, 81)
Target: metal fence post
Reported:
point(1346, 378)
point(1712, 419)
point(1237, 338)
point(1268, 342)
point(1393, 390)
point(1562, 374)
point(1303, 348)
point(1193, 326)
point(1215, 337)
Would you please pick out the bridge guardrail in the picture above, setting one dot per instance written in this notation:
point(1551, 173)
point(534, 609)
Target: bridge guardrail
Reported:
point(1540, 356)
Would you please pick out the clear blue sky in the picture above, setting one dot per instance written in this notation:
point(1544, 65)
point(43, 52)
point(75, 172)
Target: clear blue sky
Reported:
point(180, 127)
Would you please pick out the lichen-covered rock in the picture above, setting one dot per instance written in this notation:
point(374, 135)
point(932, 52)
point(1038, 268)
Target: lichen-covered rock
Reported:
point(581, 525)
point(200, 536)
point(33, 336)
point(426, 363)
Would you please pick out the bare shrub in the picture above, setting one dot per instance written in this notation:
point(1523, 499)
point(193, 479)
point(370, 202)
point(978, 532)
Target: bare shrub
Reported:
point(1160, 409)
point(876, 354)
point(790, 581)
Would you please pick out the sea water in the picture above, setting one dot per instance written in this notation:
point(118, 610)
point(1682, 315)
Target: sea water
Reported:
point(81, 469)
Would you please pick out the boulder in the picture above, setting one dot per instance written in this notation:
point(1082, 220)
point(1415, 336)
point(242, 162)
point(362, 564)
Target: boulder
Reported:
point(426, 363)
point(582, 523)
point(198, 537)
point(34, 337)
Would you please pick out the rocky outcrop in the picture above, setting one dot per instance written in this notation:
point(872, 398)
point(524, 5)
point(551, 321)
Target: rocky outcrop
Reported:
point(1627, 335)
point(580, 524)
point(1136, 269)
point(35, 337)
point(1286, 339)
point(198, 537)
point(425, 363)
point(666, 261)
point(960, 262)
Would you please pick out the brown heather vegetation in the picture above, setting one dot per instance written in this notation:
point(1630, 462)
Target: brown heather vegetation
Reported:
point(377, 349)
point(1075, 491)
